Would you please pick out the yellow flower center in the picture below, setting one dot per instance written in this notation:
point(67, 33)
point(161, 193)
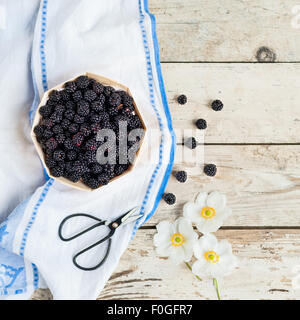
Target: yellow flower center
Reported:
point(211, 256)
point(177, 239)
point(208, 212)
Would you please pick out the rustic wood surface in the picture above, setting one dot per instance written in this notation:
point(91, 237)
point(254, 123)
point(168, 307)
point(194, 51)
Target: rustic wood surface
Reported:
point(208, 49)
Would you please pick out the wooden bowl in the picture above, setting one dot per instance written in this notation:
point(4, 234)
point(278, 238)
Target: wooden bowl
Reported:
point(105, 81)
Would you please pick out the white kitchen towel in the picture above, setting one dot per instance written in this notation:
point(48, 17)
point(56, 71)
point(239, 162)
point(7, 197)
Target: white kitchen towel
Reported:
point(115, 39)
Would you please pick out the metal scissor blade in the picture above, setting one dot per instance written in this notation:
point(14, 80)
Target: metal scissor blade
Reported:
point(129, 216)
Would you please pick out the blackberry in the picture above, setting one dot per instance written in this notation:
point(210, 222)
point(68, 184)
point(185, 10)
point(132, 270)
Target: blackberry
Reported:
point(104, 116)
point(120, 118)
point(50, 163)
point(217, 105)
point(90, 95)
point(77, 139)
point(65, 124)
point(56, 117)
point(96, 168)
point(210, 170)
point(48, 123)
point(72, 155)
point(98, 105)
point(59, 108)
point(95, 118)
point(83, 108)
point(85, 130)
point(69, 166)
point(47, 134)
point(57, 171)
point(78, 119)
point(54, 96)
point(108, 91)
point(119, 169)
point(73, 176)
point(80, 167)
point(182, 99)
point(77, 96)
point(39, 130)
point(73, 128)
point(112, 112)
point(170, 198)
point(82, 82)
point(92, 183)
point(97, 87)
point(127, 100)
point(95, 127)
point(57, 129)
point(181, 176)
point(201, 124)
point(115, 99)
point(68, 144)
point(69, 114)
point(45, 111)
point(103, 179)
point(70, 87)
point(59, 155)
point(126, 111)
point(65, 95)
point(191, 143)
point(60, 138)
point(134, 122)
point(90, 156)
point(70, 105)
point(91, 145)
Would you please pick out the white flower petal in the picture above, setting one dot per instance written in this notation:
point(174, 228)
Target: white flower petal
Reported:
point(192, 211)
point(177, 254)
point(160, 239)
point(209, 226)
point(185, 228)
point(216, 200)
point(201, 199)
point(224, 248)
point(164, 251)
point(165, 227)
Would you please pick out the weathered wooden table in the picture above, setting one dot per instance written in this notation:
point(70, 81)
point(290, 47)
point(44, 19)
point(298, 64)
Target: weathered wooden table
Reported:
point(211, 49)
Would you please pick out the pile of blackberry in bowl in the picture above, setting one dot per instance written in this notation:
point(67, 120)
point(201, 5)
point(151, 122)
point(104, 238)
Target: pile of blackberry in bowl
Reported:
point(88, 131)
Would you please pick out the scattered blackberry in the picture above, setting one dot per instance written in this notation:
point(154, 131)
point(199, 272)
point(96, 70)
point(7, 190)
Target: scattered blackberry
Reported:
point(54, 96)
point(85, 129)
point(77, 139)
point(65, 124)
point(77, 96)
point(39, 130)
point(47, 134)
point(97, 87)
point(65, 95)
point(170, 198)
point(59, 155)
point(69, 114)
point(72, 155)
point(217, 105)
point(57, 129)
point(73, 128)
point(96, 168)
point(210, 170)
point(201, 124)
point(90, 95)
point(191, 143)
point(108, 91)
point(45, 111)
point(91, 145)
point(70, 87)
point(82, 82)
point(83, 108)
point(98, 105)
point(50, 163)
point(57, 171)
point(70, 105)
point(182, 99)
point(181, 176)
point(115, 99)
point(78, 119)
point(60, 138)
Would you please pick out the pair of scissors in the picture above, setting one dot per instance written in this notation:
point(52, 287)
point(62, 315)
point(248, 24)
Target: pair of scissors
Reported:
point(112, 226)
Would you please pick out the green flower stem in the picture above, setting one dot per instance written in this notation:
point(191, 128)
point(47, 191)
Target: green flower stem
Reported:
point(190, 268)
point(215, 284)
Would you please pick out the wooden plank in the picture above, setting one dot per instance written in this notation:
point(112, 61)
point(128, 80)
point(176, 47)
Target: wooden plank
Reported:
point(261, 102)
point(262, 184)
point(227, 30)
point(267, 259)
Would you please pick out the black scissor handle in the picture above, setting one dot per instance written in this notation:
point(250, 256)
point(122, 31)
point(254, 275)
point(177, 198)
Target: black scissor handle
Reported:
point(100, 223)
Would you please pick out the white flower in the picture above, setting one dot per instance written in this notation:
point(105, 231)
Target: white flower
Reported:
point(215, 259)
point(175, 240)
point(208, 212)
